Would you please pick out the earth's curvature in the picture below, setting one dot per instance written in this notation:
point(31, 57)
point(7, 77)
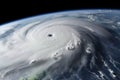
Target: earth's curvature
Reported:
point(69, 45)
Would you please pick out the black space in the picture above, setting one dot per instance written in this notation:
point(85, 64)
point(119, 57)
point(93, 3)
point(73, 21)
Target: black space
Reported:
point(14, 10)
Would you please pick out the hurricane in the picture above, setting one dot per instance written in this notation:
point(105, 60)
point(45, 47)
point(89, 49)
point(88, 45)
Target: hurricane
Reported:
point(71, 45)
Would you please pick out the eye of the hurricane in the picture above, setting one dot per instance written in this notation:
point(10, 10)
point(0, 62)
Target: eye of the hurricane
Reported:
point(50, 35)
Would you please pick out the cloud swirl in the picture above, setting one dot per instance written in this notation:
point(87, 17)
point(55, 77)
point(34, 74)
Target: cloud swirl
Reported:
point(59, 47)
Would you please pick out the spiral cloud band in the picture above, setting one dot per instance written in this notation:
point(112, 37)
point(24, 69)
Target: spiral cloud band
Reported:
point(62, 46)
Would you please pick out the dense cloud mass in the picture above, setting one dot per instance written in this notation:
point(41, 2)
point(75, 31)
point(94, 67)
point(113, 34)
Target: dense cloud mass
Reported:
point(73, 45)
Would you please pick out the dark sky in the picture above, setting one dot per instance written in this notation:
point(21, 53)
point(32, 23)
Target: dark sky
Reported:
point(14, 10)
